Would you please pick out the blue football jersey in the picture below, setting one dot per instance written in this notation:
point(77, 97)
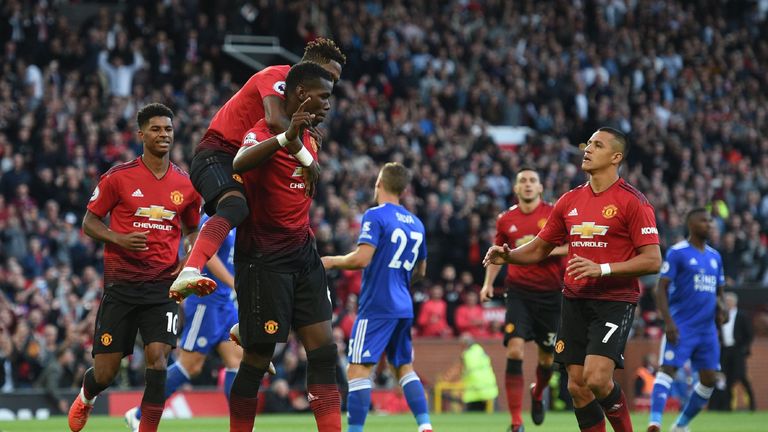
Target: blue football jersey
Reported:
point(226, 254)
point(400, 243)
point(694, 276)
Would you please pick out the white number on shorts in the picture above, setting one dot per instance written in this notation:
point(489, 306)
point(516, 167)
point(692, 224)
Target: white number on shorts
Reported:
point(612, 328)
point(173, 319)
point(550, 339)
point(399, 238)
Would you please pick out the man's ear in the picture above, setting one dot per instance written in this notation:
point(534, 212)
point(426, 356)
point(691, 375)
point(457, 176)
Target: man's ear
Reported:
point(301, 92)
point(618, 157)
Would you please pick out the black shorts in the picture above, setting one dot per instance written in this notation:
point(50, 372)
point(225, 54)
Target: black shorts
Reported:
point(211, 174)
point(532, 316)
point(272, 302)
point(598, 327)
point(118, 322)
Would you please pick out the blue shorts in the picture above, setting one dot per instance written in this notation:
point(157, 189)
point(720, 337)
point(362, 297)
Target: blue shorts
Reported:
point(372, 337)
point(206, 324)
point(702, 348)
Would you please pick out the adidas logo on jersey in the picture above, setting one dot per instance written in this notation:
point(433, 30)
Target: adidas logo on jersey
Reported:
point(573, 212)
point(693, 261)
point(137, 194)
point(513, 228)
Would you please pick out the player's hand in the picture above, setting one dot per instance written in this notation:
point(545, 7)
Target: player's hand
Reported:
point(135, 241)
point(299, 121)
point(486, 293)
point(671, 331)
point(580, 268)
point(311, 175)
point(496, 255)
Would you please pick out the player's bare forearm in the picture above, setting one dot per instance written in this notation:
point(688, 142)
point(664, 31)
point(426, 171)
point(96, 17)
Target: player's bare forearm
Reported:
point(530, 253)
point(420, 272)
point(561, 250)
point(248, 158)
point(662, 300)
point(355, 260)
point(491, 272)
point(96, 229)
point(274, 114)
point(218, 269)
point(647, 261)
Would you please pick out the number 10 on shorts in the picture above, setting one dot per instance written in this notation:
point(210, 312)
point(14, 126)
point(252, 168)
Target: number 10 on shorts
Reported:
point(173, 320)
point(611, 329)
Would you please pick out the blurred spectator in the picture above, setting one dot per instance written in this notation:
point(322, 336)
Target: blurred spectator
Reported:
point(280, 399)
point(470, 318)
point(58, 375)
point(432, 320)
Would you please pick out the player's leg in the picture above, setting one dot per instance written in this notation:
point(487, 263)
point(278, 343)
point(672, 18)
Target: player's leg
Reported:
point(224, 197)
point(571, 350)
point(243, 397)
point(312, 312)
point(609, 325)
point(545, 315)
point(673, 356)
point(158, 326)
point(366, 345)
point(518, 328)
point(359, 395)
point(230, 352)
point(114, 334)
point(705, 358)
point(400, 356)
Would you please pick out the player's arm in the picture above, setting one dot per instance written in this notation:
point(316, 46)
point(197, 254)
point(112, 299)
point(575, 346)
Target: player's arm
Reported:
point(661, 295)
point(189, 233)
point(491, 272)
point(274, 114)
point(95, 228)
point(530, 253)
point(218, 269)
point(647, 261)
point(419, 272)
point(559, 251)
point(355, 260)
point(721, 311)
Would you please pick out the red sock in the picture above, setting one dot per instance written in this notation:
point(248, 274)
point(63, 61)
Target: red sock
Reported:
point(150, 416)
point(618, 415)
point(208, 241)
point(242, 412)
point(542, 381)
point(600, 427)
point(514, 386)
point(326, 405)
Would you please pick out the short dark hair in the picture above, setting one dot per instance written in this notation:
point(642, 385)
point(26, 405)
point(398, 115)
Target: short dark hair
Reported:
point(620, 137)
point(323, 51)
point(694, 212)
point(395, 177)
point(152, 110)
point(527, 168)
point(304, 73)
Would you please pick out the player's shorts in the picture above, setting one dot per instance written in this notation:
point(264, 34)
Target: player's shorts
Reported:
point(597, 327)
point(270, 302)
point(371, 337)
point(532, 316)
point(206, 324)
point(211, 174)
point(702, 348)
point(118, 322)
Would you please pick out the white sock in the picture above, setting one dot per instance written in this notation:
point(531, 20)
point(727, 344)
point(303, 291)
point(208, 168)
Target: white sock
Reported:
point(84, 399)
point(425, 426)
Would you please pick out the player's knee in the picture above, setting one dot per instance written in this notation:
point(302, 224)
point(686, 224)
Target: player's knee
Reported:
point(321, 365)
point(233, 208)
point(598, 383)
point(515, 351)
point(105, 376)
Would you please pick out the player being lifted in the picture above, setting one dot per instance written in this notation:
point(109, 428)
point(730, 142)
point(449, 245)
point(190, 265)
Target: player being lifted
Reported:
point(687, 296)
point(612, 238)
point(533, 296)
point(279, 277)
point(392, 252)
point(262, 97)
point(151, 203)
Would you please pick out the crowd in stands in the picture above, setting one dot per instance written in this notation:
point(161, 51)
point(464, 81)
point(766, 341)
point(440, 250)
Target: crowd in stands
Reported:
point(424, 80)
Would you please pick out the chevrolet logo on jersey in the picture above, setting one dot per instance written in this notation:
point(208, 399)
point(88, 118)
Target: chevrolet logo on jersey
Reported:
point(155, 213)
point(588, 230)
point(523, 240)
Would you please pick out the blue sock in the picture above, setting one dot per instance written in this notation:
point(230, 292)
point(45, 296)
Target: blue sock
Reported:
point(358, 403)
point(177, 376)
point(229, 378)
point(698, 400)
point(661, 386)
point(414, 394)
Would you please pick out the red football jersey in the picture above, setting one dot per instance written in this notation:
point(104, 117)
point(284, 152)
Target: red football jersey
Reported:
point(516, 228)
point(245, 108)
point(138, 201)
point(604, 228)
point(278, 224)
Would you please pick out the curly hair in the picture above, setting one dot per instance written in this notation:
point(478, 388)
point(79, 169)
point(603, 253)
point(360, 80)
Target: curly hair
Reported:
point(323, 51)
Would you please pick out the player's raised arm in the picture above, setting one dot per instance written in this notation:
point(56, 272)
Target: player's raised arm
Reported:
point(274, 114)
point(96, 229)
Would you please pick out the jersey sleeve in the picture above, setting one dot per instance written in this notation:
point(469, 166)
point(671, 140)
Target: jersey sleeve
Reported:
point(642, 225)
point(669, 266)
point(105, 197)
point(370, 230)
point(271, 83)
point(191, 215)
point(554, 230)
point(500, 238)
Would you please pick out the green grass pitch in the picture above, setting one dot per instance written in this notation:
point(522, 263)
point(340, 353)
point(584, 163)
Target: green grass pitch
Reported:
point(555, 422)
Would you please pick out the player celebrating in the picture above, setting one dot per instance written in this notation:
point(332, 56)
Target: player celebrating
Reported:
point(533, 296)
point(206, 323)
point(612, 235)
point(279, 277)
point(211, 172)
point(688, 295)
point(151, 202)
point(392, 251)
